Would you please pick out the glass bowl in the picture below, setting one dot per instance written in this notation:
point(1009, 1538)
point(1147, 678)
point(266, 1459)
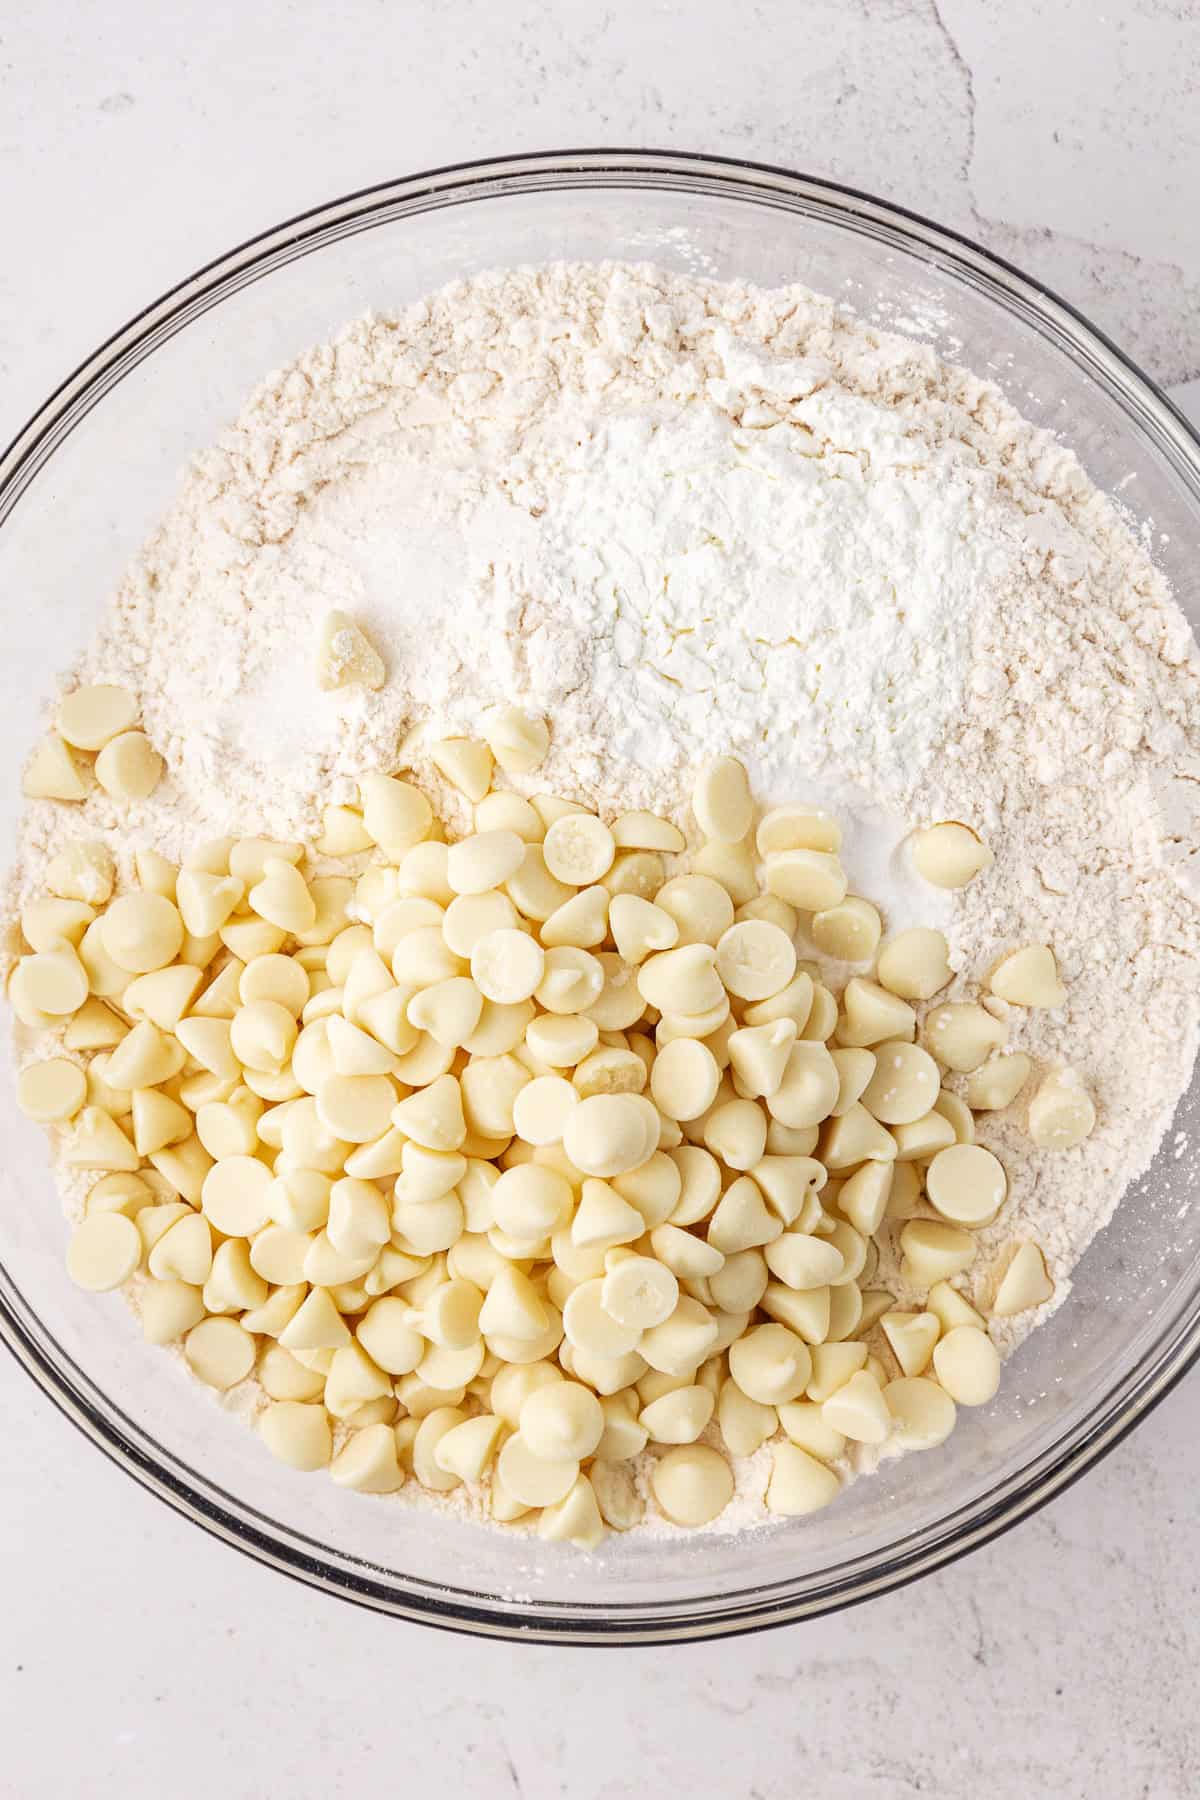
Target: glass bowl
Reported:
point(79, 489)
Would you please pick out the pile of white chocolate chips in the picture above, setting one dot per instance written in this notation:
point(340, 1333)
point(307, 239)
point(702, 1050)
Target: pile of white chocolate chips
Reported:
point(535, 1161)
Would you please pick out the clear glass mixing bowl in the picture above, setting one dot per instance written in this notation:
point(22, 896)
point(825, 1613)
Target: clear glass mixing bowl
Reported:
point(81, 486)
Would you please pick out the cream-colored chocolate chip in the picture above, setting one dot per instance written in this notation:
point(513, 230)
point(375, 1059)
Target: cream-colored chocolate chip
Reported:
point(533, 1479)
point(579, 849)
point(51, 1091)
point(812, 880)
point(903, 1086)
point(518, 741)
point(997, 1082)
point(858, 1410)
point(90, 716)
point(934, 1252)
point(700, 907)
point(484, 861)
point(684, 980)
point(967, 1364)
point(219, 1352)
point(808, 1089)
point(581, 922)
point(466, 763)
point(770, 1364)
point(758, 1056)
point(1062, 1113)
point(849, 932)
point(52, 772)
point(1025, 1283)
point(721, 800)
point(1029, 977)
point(104, 1251)
point(914, 964)
point(755, 959)
point(83, 871)
point(966, 1184)
point(129, 767)
point(346, 657)
point(645, 831)
point(923, 1415)
point(396, 813)
point(950, 855)
point(471, 917)
point(343, 832)
point(798, 828)
point(46, 986)
point(297, 1433)
point(962, 1035)
point(142, 932)
point(692, 1484)
point(684, 1079)
point(871, 1015)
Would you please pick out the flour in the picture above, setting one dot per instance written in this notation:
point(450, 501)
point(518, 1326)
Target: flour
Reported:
point(678, 518)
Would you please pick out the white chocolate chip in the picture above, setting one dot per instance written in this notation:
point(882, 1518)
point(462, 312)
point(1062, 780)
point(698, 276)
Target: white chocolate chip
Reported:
point(1062, 1112)
point(770, 1364)
point(639, 1292)
point(52, 772)
point(934, 1252)
point(507, 965)
point(533, 1479)
point(129, 767)
point(1029, 977)
point(104, 1251)
point(966, 1184)
point(700, 907)
point(692, 1484)
point(997, 1082)
point(915, 964)
point(849, 932)
point(950, 855)
point(903, 1086)
point(721, 801)
point(219, 1352)
point(684, 1079)
point(90, 716)
point(923, 1414)
point(83, 871)
point(755, 959)
point(466, 763)
point(858, 1410)
point(912, 1337)
point(562, 1421)
point(645, 831)
point(518, 741)
point(346, 657)
point(297, 1433)
point(395, 813)
point(51, 1091)
point(1025, 1283)
point(798, 828)
point(142, 932)
point(967, 1364)
point(812, 880)
point(963, 1035)
point(872, 1015)
point(579, 849)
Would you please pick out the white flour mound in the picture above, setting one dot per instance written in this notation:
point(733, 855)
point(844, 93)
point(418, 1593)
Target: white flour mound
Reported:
point(679, 518)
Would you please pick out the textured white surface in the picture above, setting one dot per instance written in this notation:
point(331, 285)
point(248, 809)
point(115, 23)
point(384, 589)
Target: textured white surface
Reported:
point(133, 146)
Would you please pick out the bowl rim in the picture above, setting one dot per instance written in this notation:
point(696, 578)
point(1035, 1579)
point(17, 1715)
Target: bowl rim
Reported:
point(1022, 1493)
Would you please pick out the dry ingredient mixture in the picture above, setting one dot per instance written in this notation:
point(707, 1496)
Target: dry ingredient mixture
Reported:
point(796, 1096)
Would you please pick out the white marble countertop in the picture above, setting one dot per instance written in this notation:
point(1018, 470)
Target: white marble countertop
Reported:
point(139, 1656)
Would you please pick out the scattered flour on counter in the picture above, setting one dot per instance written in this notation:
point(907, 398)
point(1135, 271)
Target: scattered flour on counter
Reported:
point(678, 518)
